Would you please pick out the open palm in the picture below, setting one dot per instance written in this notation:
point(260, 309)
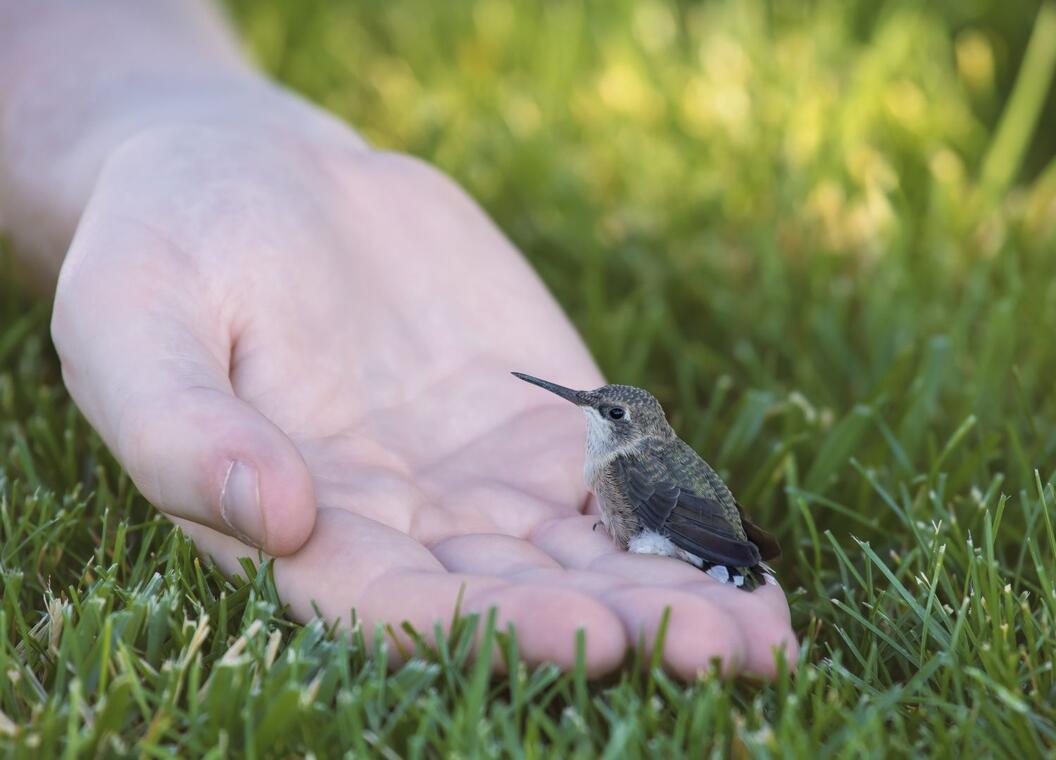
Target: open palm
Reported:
point(328, 334)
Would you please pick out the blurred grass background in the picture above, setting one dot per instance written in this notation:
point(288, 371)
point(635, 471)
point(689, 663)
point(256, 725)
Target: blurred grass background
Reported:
point(823, 233)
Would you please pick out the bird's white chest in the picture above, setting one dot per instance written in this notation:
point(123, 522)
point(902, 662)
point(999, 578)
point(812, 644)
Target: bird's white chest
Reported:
point(599, 436)
point(599, 450)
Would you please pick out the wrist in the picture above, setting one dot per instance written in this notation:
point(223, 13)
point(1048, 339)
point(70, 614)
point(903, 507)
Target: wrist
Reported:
point(79, 81)
point(46, 181)
point(252, 106)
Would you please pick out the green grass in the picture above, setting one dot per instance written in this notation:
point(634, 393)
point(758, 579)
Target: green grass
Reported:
point(826, 238)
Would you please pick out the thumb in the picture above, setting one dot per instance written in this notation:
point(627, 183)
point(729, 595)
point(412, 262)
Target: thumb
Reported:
point(158, 392)
point(200, 453)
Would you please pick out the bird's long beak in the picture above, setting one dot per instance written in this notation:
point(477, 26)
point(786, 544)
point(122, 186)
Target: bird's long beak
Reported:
point(579, 398)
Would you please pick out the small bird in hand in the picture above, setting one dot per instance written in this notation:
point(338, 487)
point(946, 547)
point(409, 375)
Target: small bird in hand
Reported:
point(657, 496)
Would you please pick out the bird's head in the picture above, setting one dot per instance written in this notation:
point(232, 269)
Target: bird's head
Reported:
point(617, 415)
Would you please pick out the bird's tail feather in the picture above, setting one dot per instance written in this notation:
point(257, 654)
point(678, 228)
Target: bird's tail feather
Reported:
point(744, 578)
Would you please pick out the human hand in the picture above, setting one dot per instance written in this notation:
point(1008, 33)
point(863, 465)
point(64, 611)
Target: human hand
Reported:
point(341, 323)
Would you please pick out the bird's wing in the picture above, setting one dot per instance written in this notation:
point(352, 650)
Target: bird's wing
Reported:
point(769, 548)
point(694, 523)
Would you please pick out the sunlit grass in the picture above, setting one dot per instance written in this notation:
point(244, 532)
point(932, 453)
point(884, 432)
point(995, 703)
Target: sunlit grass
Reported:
point(825, 238)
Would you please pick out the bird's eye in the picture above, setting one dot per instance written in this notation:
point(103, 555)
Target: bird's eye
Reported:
point(616, 413)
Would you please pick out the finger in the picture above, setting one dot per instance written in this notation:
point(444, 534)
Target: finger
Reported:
point(762, 617)
point(388, 578)
point(774, 597)
point(698, 632)
point(573, 541)
point(147, 362)
point(546, 620)
point(595, 584)
point(650, 569)
point(491, 553)
point(737, 628)
point(576, 544)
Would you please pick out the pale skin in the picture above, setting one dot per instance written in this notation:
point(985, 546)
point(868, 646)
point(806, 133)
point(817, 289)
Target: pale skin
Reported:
point(292, 340)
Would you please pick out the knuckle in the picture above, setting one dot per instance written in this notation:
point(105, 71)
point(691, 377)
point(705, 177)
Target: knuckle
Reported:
point(402, 180)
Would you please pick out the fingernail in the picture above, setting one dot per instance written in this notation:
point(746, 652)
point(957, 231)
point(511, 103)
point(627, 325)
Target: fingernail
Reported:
point(240, 503)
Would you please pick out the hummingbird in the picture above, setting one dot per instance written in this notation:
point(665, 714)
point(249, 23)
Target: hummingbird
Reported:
point(656, 494)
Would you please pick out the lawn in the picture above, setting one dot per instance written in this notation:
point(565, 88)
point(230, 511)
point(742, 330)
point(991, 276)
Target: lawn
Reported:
point(824, 234)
